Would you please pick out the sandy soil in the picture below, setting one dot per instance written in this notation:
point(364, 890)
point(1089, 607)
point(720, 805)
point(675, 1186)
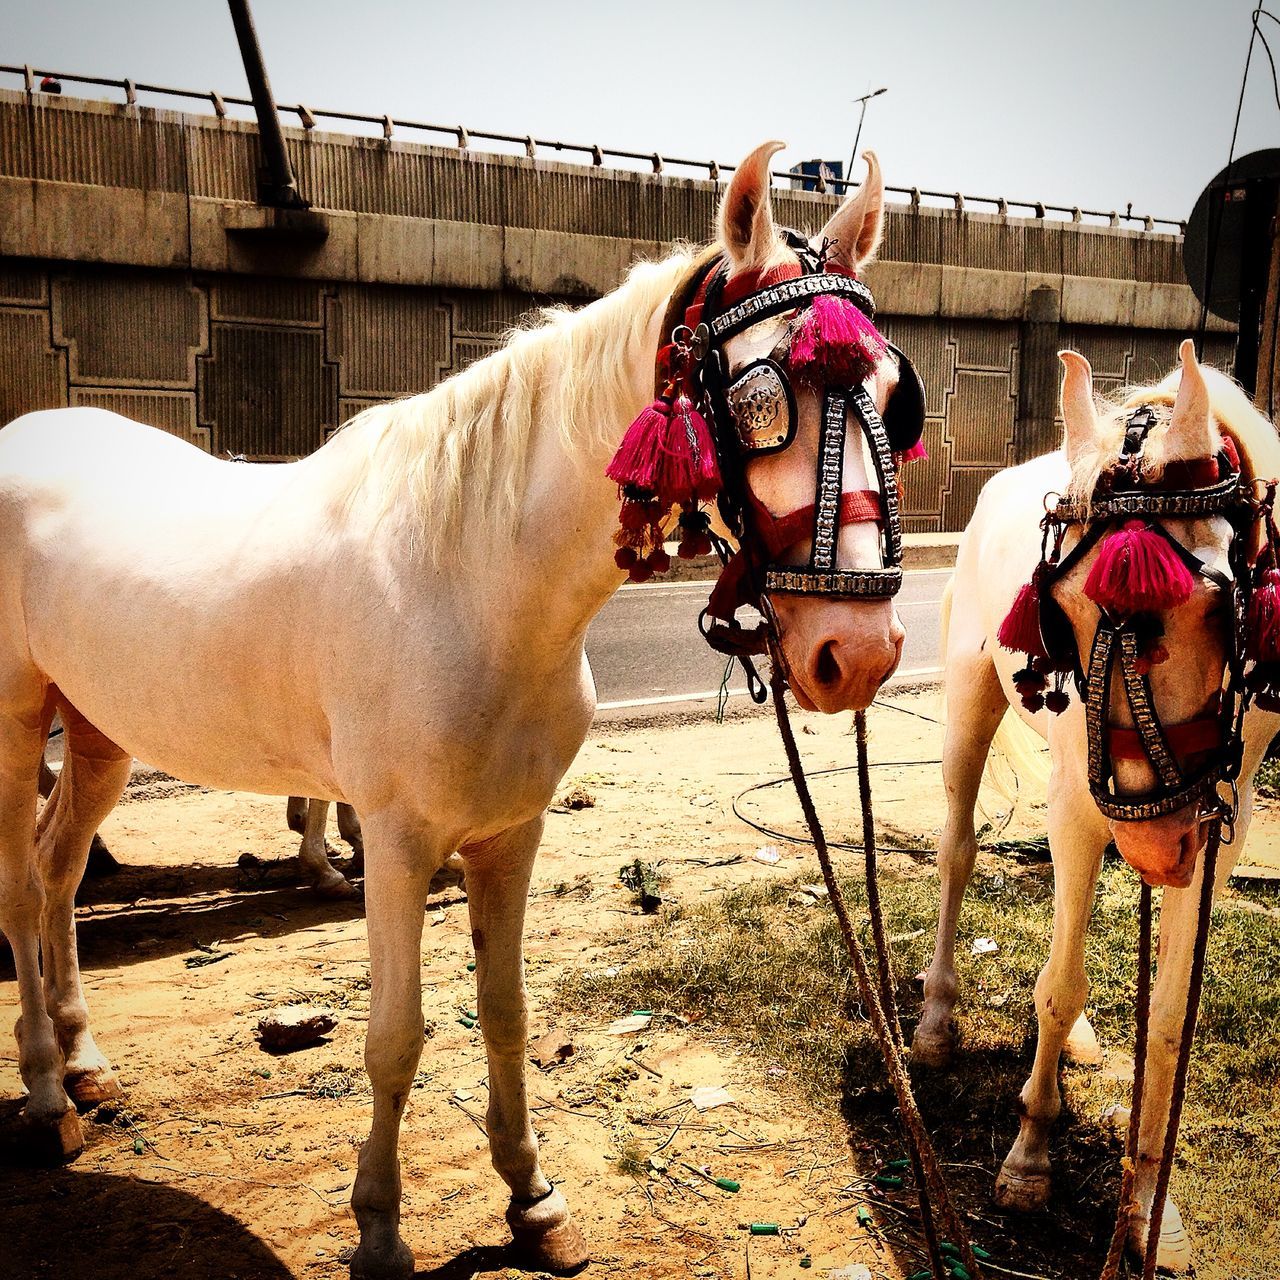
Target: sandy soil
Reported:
point(228, 1162)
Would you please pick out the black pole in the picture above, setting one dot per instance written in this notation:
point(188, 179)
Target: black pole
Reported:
point(276, 185)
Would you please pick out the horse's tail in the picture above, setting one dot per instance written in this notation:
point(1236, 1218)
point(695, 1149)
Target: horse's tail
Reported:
point(1017, 766)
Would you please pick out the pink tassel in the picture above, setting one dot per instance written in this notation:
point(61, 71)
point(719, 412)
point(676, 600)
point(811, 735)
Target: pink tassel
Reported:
point(639, 455)
point(1137, 572)
point(917, 452)
point(837, 341)
point(668, 451)
point(1262, 631)
point(1020, 631)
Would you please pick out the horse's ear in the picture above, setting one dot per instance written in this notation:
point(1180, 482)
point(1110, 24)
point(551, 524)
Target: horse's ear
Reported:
point(1078, 411)
point(1191, 430)
point(858, 224)
point(746, 212)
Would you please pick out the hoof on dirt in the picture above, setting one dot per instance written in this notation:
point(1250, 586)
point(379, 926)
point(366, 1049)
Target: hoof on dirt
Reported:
point(89, 1089)
point(1082, 1045)
point(545, 1237)
point(339, 889)
point(392, 1264)
point(1022, 1192)
point(47, 1140)
point(1173, 1253)
point(933, 1049)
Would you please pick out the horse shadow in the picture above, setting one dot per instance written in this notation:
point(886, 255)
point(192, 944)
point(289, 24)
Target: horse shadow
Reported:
point(73, 1224)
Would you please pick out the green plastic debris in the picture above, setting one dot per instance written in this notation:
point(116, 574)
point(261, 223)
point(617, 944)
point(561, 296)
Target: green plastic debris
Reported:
point(806, 1262)
point(642, 1013)
point(471, 966)
point(765, 1229)
point(727, 1184)
point(887, 1180)
point(864, 1215)
point(980, 1253)
point(902, 1162)
point(921, 1275)
point(959, 1271)
point(138, 1146)
point(949, 1249)
point(467, 1022)
point(469, 1013)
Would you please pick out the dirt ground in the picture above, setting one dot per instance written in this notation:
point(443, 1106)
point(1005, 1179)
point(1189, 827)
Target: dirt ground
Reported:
point(229, 1162)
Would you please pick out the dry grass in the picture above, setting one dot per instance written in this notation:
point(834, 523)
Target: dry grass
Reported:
point(774, 977)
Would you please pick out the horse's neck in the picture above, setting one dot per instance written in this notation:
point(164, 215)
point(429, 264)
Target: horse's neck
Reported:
point(564, 570)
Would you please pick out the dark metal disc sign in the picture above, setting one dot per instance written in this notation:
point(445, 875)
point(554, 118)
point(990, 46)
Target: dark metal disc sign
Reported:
point(1237, 215)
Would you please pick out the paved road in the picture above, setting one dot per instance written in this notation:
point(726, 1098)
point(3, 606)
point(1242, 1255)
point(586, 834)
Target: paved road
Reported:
point(645, 648)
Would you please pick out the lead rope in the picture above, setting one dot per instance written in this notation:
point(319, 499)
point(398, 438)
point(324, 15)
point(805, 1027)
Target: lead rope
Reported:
point(1194, 987)
point(931, 1189)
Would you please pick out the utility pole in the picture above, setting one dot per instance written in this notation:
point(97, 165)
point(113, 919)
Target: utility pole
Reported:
point(276, 185)
point(862, 115)
point(1266, 393)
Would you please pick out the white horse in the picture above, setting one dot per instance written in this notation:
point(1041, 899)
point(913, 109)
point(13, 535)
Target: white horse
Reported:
point(997, 554)
point(460, 542)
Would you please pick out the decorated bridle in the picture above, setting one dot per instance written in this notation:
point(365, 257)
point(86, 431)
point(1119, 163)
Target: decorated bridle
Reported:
point(692, 444)
point(1142, 570)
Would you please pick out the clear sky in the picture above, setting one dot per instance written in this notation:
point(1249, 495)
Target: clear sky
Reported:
point(1089, 102)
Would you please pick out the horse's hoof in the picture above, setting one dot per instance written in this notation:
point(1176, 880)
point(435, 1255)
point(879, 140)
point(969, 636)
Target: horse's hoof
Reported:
point(1021, 1192)
point(393, 1264)
point(932, 1049)
point(48, 1140)
point(337, 889)
point(91, 1088)
point(1173, 1253)
point(1081, 1046)
point(545, 1236)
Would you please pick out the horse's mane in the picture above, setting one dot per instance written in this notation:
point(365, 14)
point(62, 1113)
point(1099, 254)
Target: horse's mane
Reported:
point(1233, 412)
point(459, 454)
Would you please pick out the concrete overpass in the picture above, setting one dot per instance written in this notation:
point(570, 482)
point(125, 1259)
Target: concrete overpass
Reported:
point(137, 273)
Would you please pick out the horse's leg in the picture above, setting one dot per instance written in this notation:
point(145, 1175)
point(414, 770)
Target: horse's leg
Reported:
point(349, 830)
point(975, 704)
point(94, 774)
point(49, 1114)
point(313, 856)
point(295, 814)
point(1077, 837)
point(498, 874)
point(102, 862)
point(402, 860)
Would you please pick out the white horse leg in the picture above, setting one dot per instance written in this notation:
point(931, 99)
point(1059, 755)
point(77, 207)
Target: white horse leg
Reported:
point(402, 860)
point(49, 1114)
point(313, 856)
point(349, 830)
point(1077, 837)
point(497, 874)
point(975, 704)
point(1179, 911)
point(94, 774)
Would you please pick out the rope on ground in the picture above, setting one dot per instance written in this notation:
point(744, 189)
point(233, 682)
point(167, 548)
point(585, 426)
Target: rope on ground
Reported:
point(930, 1186)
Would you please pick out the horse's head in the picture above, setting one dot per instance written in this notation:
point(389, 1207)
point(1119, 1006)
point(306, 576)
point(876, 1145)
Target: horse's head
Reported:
point(841, 645)
point(1147, 581)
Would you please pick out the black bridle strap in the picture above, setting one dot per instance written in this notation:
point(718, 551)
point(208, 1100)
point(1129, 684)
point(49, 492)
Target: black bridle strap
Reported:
point(773, 299)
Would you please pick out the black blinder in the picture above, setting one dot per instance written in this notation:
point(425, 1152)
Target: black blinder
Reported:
point(904, 414)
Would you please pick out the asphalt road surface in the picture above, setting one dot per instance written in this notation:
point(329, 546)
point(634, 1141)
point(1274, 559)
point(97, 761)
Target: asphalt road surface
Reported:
point(645, 649)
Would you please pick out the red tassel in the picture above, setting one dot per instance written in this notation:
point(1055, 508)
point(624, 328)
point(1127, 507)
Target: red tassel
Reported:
point(1020, 631)
point(1262, 630)
point(836, 340)
point(1137, 572)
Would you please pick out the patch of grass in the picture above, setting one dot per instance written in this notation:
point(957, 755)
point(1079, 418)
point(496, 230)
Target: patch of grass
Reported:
point(1267, 779)
point(775, 978)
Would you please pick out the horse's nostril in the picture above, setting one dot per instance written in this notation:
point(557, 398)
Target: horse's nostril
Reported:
point(826, 669)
